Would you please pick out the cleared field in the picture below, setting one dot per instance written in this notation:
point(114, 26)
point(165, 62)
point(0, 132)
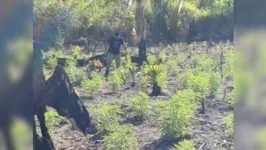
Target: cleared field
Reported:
point(194, 107)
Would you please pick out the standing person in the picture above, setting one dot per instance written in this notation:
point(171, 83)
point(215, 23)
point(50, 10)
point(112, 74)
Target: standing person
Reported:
point(114, 51)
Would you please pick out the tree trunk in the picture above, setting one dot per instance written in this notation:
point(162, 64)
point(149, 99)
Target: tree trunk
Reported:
point(142, 52)
point(203, 107)
point(141, 30)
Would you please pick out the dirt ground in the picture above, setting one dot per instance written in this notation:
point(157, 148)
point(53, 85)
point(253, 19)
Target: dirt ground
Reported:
point(208, 130)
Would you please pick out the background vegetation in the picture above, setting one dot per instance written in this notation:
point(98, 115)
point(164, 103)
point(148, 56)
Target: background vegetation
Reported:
point(97, 19)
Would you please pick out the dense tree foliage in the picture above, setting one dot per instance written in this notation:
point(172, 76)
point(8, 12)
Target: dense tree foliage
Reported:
point(165, 20)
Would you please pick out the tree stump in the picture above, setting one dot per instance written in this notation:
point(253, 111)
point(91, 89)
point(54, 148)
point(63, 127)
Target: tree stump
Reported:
point(156, 90)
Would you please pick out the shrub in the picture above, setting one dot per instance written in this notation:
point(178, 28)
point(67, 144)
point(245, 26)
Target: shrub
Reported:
point(59, 54)
point(172, 66)
point(80, 74)
point(204, 84)
point(203, 63)
point(214, 82)
point(200, 85)
point(51, 58)
point(156, 74)
point(177, 115)
point(160, 107)
point(107, 117)
point(89, 68)
point(229, 64)
point(162, 77)
point(50, 53)
point(133, 70)
point(76, 52)
point(153, 72)
point(122, 138)
point(123, 73)
point(152, 60)
point(113, 65)
point(53, 120)
point(231, 97)
point(126, 61)
point(162, 55)
point(145, 68)
point(52, 62)
point(184, 77)
point(218, 48)
point(229, 120)
point(93, 86)
point(70, 63)
point(60, 42)
point(144, 82)
point(141, 105)
point(185, 145)
point(75, 74)
point(180, 58)
point(115, 81)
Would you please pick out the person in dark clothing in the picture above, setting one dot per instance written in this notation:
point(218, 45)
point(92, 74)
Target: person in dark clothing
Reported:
point(114, 51)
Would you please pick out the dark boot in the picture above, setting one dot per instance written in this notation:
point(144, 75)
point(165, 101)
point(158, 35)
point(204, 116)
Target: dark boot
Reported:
point(107, 72)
